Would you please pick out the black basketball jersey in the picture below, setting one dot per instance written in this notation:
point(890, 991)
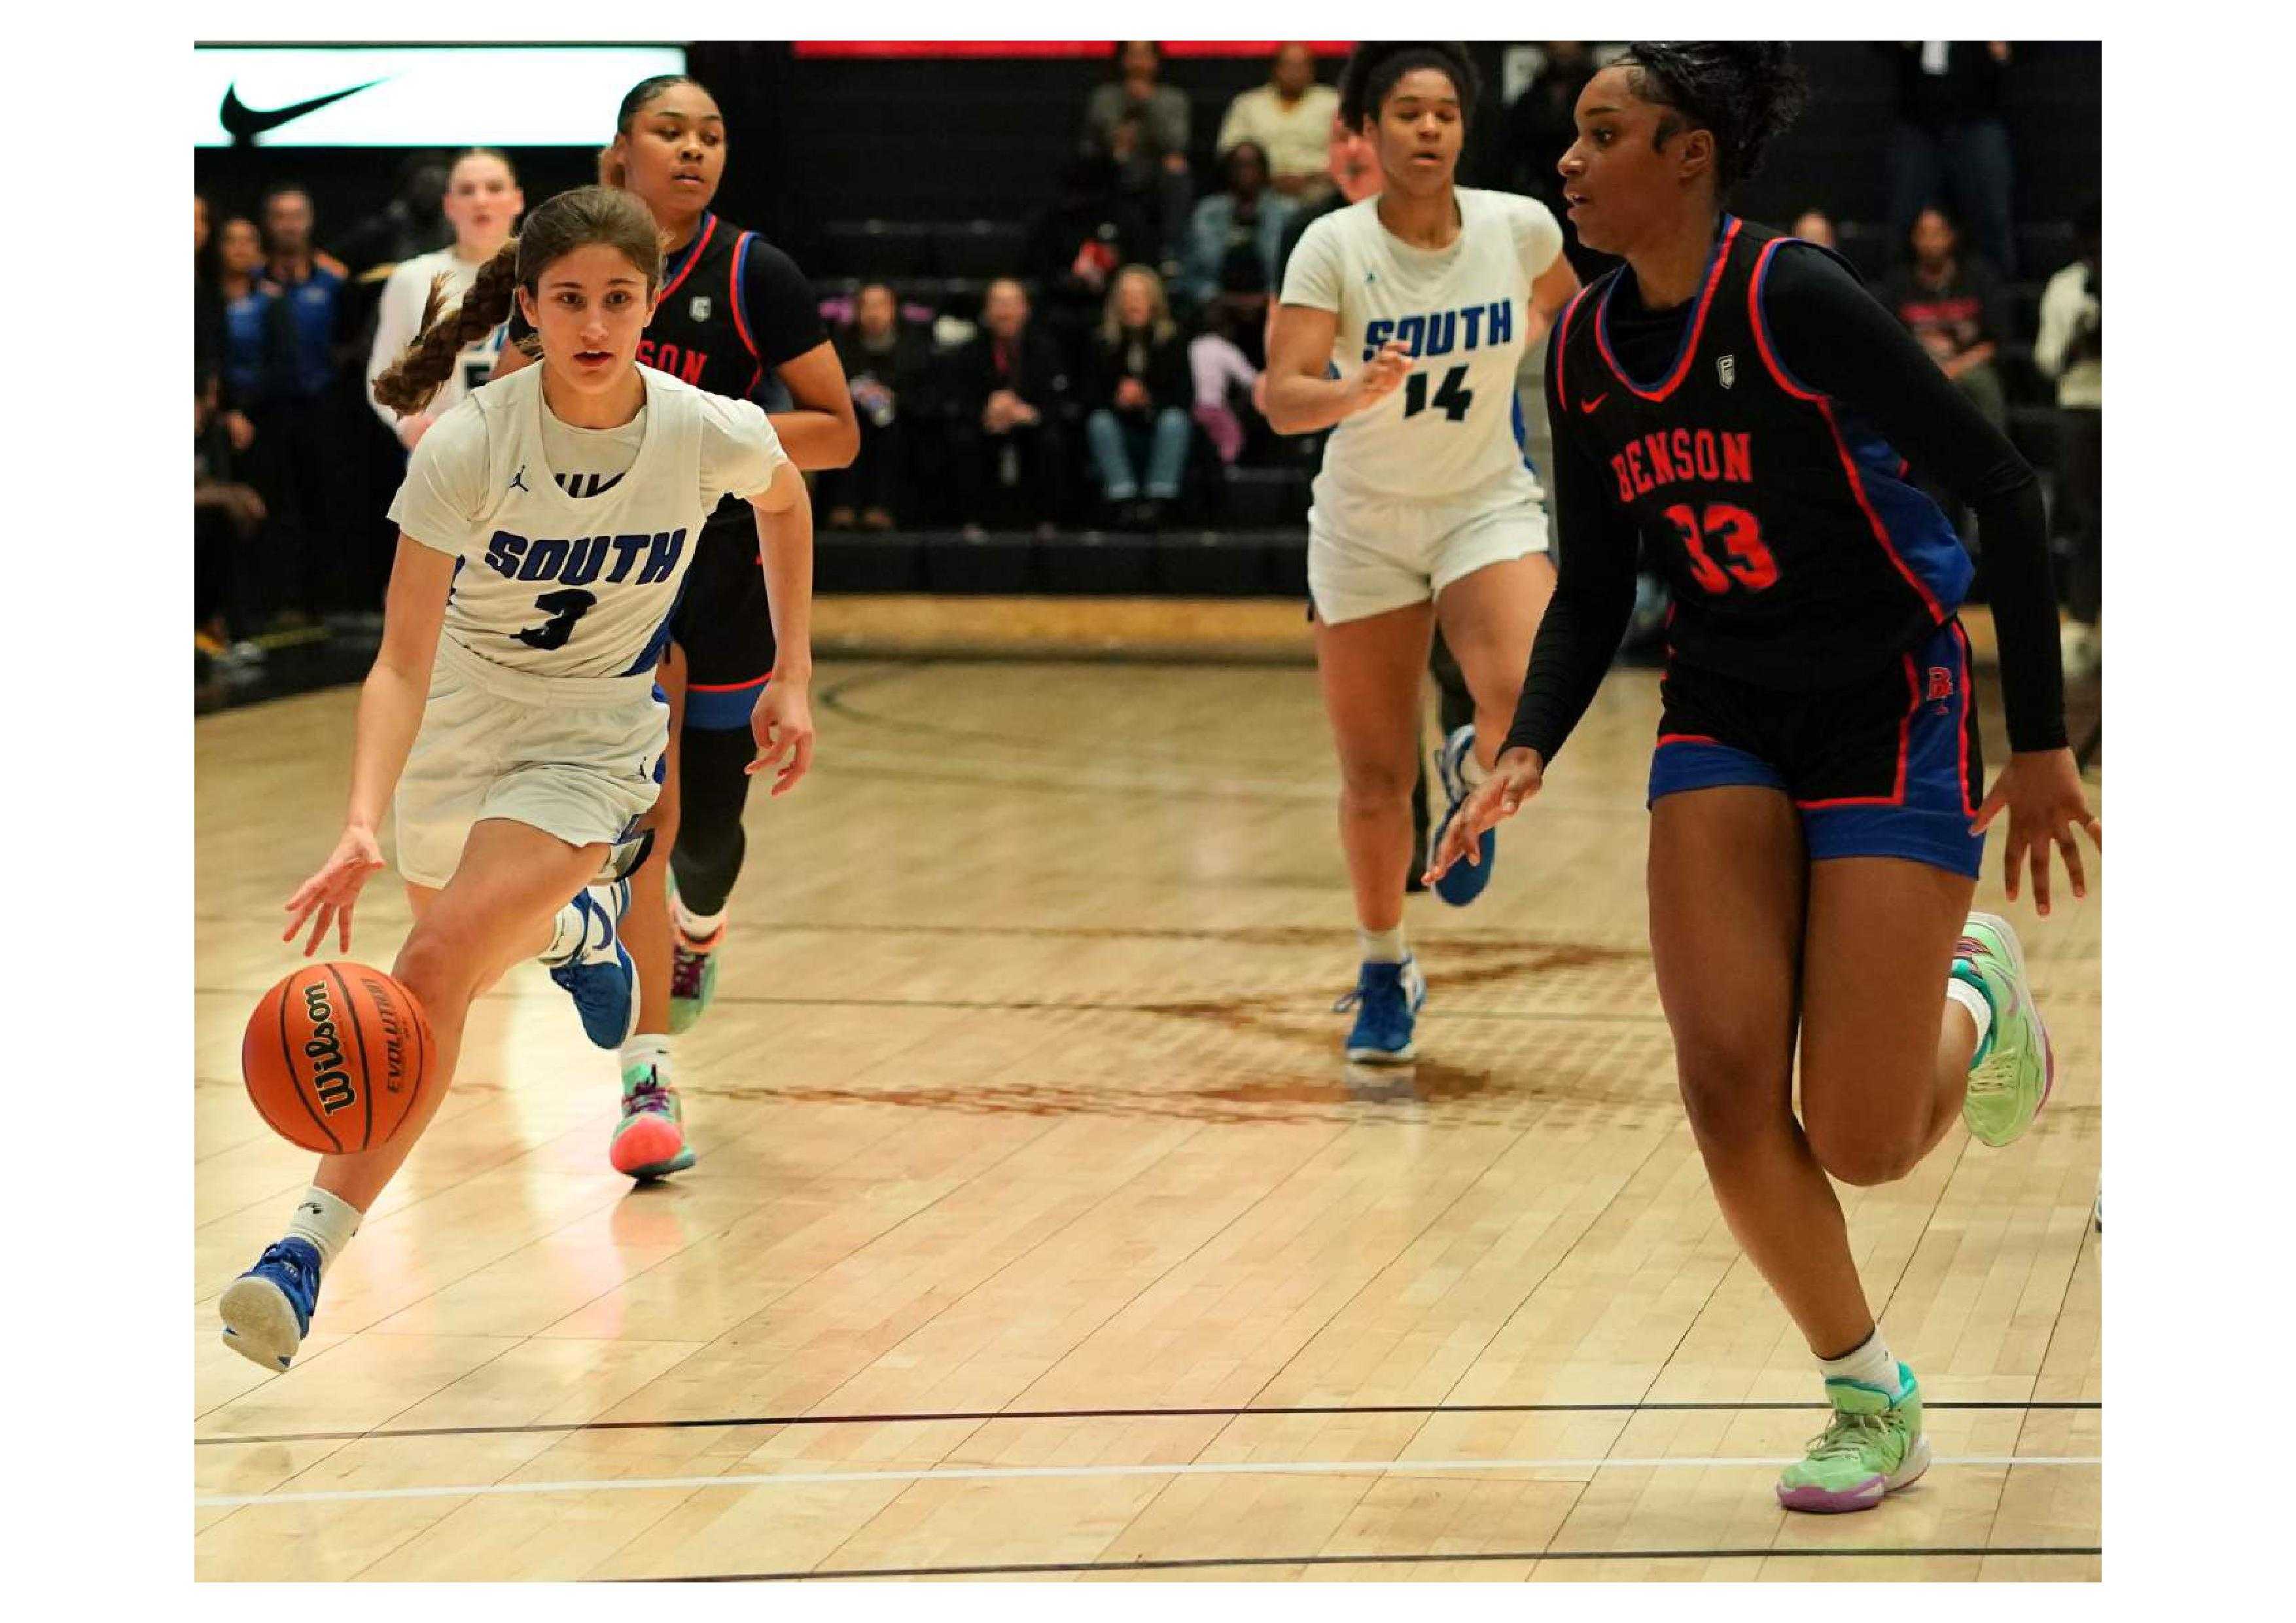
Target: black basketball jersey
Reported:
point(1797, 553)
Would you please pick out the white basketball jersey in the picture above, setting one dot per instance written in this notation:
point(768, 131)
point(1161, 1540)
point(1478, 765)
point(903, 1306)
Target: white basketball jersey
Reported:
point(553, 585)
point(1463, 311)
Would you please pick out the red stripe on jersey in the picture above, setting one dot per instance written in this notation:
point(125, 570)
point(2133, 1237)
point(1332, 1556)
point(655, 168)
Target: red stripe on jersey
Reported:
point(1689, 343)
point(693, 258)
point(1897, 797)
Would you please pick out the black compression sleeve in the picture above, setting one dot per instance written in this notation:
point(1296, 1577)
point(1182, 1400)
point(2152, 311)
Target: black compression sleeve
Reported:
point(1594, 593)
point(779, 305)
point(1835, 337)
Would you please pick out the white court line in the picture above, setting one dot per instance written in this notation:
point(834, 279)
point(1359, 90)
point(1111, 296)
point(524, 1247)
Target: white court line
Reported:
point(997, 1474)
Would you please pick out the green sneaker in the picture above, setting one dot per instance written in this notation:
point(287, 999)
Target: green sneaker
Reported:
point(2015, 1066)
point(692, 971)
point(1874, 1446)
point(649, 1142)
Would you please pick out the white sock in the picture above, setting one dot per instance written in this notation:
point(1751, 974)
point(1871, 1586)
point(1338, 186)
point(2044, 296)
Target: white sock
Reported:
point(697, 926)
point(647, 1050)
point(569, 930)
point(327, 1221)
point(1382, 945)
point(1980, 1011)
point(1870, 1365)
point(1472, 772)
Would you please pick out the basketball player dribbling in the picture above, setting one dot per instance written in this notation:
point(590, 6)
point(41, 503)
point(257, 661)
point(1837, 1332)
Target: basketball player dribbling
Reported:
point(737, 318)
point(1403, 319)
point(512, 705)
point(1815, 830)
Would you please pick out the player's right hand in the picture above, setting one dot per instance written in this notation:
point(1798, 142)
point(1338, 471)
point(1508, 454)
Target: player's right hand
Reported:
point(1382, 375)
point(332, 892)
point(1515, 777)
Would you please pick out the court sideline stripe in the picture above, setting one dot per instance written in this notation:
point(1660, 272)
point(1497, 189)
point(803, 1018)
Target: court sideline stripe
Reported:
point(1412, 1558)
point(1006, 1474)
point(737, 1421)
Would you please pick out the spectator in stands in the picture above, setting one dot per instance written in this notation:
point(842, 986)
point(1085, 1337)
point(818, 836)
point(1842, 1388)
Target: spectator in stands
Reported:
point(1138, 392)
point(1234, 235)
point(885, 361)
point(1949, 139)
point(1141, 126)
point(1952, 302)
point(226, 516)
point(1011, 383)
point(249, 306)
point(207, 304)
point(2070, 350)
point(1219, 368)
point(1542, 122)
point(1287, 117)
point(1075, 246)
point(292, 412)
point(1814, 225)
point(413, 223)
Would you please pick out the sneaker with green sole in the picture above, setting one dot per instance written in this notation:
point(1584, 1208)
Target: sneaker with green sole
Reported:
point(1874, 1446)
point(2015, 1066)
point(649, 1142)
point(692, 971)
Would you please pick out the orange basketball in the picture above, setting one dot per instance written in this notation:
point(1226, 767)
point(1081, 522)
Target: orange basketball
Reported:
point(335, 1056)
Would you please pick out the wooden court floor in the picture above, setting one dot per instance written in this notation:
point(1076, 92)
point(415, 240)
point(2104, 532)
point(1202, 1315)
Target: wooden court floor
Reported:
point(1040, 1230)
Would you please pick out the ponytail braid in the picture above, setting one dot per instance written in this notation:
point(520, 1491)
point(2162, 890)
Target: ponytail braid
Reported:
point(408, 384)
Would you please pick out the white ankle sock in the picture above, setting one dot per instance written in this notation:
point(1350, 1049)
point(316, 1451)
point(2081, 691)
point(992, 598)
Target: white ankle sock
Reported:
point(1382, 945)
point(1870, 1365)
point(697, 926)
point(568, 931)
point(327, 1221)
point(647, 1049)
point(1980, 1011)
point(1472, 772)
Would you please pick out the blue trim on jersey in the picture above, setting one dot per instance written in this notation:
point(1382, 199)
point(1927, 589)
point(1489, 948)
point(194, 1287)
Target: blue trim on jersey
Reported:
point(1918, 529)
point(1522, 434)
point(677, 265)
point(1690, 321)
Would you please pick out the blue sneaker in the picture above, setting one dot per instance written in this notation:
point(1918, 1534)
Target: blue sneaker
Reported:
point(1386, 999)
point(1463, 881)
point(266, 1311)
point(600, 976)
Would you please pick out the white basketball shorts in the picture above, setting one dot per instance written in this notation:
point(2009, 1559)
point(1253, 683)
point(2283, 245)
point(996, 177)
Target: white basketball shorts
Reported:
point(1368, 554)
point(580, 759)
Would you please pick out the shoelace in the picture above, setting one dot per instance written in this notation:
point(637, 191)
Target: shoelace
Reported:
point(685, 970)
point(277, 1255)
point(1350, 999)
point(654, 1096)
point(1849, 1435)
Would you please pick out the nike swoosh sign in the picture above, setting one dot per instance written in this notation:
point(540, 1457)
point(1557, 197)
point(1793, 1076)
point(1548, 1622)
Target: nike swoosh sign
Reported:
point(1589, 405)
point(245, 123)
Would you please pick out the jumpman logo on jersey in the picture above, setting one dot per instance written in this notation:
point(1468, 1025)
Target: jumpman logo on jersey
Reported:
point(518, 480)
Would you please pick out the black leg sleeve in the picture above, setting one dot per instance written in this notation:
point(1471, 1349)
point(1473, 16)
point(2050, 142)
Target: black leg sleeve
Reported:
point(712, 789)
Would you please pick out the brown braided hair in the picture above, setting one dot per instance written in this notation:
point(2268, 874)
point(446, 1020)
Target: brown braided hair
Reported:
point(567, 221)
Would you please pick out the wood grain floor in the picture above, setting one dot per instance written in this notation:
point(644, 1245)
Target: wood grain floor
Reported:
point(1040, 1230)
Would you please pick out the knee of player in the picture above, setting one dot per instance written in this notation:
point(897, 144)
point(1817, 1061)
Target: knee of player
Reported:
point(438, 965)
point(1733, 1091)
point(1374, 787)
point(1864, 1155)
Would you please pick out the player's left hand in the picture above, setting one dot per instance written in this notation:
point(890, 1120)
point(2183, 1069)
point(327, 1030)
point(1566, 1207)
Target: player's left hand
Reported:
point(783, 726)
point(2041, 789)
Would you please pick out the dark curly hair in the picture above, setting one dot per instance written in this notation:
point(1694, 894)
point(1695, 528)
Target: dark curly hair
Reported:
point(1376, 65)
point(1745, 91)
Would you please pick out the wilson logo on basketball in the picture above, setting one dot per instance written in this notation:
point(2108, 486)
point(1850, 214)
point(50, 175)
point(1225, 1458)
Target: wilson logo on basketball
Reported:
point(324, 1050)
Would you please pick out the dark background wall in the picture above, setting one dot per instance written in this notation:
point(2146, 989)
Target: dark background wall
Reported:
point(823, 139)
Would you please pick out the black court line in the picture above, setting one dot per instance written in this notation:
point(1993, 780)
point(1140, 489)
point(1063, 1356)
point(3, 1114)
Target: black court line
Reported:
point(977, 1415)
point(1413, 1558)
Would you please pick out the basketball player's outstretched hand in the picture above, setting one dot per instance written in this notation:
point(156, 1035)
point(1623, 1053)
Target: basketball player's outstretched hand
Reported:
point(1515, 777)
point(1382, 375)
point(328, 896)
point(2041, 789)
point(783, 726)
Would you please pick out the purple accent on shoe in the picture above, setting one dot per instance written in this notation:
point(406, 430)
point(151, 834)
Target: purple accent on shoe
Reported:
point(1864, 1496)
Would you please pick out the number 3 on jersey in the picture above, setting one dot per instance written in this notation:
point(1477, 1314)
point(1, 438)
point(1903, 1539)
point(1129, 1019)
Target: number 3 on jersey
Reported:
point(1451, 396)
point(1748, 562)
point(564, 607)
